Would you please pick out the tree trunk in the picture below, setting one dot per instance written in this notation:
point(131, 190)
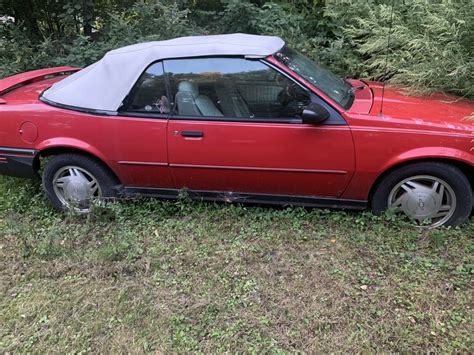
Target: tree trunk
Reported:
point(24, 12)
point(88, 17)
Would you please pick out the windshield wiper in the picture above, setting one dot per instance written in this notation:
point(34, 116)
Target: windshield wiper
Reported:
point(354, 89)
point(357, 88)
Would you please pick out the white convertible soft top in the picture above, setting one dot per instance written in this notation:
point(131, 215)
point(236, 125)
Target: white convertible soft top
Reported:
point(104, 84)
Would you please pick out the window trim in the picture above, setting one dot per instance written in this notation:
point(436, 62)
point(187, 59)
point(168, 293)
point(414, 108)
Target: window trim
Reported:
point(124, 109)
point(89, 111)
point(172, 116)
point(313, 88)
point(287, 120)
point(139, 114)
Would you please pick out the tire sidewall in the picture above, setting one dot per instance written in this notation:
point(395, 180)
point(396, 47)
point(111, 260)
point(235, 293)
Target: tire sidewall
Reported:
point(448, 173)
point(105, 179)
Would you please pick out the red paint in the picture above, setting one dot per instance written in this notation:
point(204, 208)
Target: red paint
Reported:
point(28, 132)
point(260, 157)
point(32, 76)
point(291, 159)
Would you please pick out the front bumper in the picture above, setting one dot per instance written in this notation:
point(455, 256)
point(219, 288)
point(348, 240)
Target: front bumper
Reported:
point(18, 162)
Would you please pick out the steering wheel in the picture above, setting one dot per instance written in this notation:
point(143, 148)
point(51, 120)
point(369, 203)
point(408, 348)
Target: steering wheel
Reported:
point(280, 79)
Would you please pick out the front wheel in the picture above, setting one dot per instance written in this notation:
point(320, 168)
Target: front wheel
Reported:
point(430, 193)
point(72, 181)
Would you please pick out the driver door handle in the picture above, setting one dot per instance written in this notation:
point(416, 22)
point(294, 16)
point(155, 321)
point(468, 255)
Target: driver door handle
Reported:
point(192, 134)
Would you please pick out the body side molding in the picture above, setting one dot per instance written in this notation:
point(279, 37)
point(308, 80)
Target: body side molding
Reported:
point(225, 196)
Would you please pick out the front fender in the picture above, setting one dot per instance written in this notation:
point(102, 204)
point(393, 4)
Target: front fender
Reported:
point(363, 182)
point(430, 153)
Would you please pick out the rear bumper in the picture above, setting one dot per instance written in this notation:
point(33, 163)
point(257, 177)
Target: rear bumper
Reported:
point(18, 162)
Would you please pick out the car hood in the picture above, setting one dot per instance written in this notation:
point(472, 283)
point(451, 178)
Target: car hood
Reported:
point(434, 109)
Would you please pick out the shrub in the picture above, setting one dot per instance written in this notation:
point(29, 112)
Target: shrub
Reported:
point(431, 46)
point(144, 21)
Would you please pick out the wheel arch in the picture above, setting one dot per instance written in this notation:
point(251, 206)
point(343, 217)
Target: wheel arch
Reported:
point(465, 167)
point(58, 150)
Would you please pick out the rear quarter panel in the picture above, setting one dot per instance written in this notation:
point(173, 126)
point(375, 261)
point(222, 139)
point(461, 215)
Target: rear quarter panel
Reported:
point(115, 140)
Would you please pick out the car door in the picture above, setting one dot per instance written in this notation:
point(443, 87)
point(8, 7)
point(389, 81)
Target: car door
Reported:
point(236, 126)
point(140, 132)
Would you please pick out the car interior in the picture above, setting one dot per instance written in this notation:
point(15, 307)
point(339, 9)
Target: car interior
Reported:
point(190, 102)
point(237, 98)
point(216, 95)
point(149, 95)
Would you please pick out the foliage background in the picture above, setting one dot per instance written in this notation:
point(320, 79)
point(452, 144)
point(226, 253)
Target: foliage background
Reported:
point(177, 277)
point(432, 42)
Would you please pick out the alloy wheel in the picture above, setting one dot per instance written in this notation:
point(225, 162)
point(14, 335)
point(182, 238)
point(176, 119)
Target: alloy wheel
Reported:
point(75, 187)
point(422, 198)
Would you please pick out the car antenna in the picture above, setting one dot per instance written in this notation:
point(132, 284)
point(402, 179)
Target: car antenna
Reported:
point(386, 59)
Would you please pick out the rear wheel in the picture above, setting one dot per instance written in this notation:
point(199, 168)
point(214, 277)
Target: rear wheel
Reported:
point(430, 193)
point(72, 181)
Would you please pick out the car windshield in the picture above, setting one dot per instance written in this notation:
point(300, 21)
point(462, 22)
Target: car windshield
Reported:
point(332, 85)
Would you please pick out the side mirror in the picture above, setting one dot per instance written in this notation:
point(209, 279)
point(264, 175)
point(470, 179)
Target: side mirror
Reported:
point(314, 114)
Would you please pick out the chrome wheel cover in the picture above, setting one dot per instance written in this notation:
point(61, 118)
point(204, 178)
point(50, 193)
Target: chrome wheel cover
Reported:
point(75, 187)
point(424, 197)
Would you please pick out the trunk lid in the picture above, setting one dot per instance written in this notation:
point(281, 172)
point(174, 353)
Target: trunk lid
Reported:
point(9, 85)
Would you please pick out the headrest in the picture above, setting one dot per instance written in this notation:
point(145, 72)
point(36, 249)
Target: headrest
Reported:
point(188, 86)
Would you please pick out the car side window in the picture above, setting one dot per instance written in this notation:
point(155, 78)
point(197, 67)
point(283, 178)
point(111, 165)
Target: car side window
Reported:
point(232, 88)
point(149, 93)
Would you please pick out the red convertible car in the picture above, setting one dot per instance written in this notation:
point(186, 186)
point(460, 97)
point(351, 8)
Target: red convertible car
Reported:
point(239, 118)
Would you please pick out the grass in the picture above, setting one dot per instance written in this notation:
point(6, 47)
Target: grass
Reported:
point(157, 276)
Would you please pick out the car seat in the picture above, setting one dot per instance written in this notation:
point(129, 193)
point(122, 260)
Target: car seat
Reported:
point(191, 103)
point(230, 100)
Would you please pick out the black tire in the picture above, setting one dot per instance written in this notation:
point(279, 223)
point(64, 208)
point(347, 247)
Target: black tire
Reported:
point(450, 174)
point(106, 180)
